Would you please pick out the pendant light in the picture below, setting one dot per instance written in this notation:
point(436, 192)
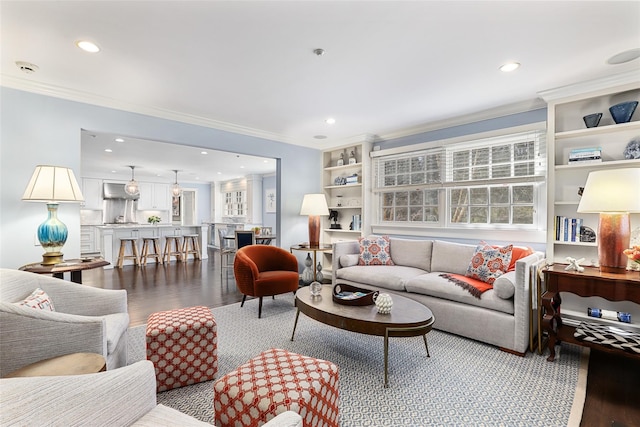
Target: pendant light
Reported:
point(132, 187)
point(176, 191)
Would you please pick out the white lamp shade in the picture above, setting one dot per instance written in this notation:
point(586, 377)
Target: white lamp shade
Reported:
point(613, 190)
point(314, 204)
point(53, 184)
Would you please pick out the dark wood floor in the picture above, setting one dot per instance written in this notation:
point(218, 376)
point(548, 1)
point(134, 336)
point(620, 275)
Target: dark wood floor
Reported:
point(613, 385)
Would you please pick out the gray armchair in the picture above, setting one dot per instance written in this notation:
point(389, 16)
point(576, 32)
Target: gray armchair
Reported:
point(85, 319)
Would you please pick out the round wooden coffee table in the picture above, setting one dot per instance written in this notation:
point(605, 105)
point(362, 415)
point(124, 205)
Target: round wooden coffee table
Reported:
point(69, 364)
point(408, 318)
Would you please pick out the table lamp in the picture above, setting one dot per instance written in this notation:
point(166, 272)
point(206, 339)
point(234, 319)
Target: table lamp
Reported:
point(314, 205)
point(52, 184)
point(614, 194)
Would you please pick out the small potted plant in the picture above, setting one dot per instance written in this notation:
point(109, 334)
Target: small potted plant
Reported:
point(256, 231)
point(153, 219)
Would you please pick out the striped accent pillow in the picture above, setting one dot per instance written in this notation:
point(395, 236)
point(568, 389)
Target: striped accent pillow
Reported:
point(38, 299)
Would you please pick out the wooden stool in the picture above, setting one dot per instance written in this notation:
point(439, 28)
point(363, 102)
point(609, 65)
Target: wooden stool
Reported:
point(190, 240)
point(175, 252)
point(133, 244)
point(157, 254)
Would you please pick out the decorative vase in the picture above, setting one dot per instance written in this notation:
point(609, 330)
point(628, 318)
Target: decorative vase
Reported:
point(319, 275)
point(384, 303)
point(592, 120)
point(622, 112)
point(307, 273)
point(52, 235)
point(315, 288)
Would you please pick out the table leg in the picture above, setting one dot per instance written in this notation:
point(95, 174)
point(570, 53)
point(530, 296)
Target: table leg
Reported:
point(386, 358)
point(58, 275)
point(295, 324)
point(315, 272)
point(551, 320)
point(76, 276)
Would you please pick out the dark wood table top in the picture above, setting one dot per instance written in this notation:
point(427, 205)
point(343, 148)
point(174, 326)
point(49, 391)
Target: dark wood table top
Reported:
point(66, 266)
point(69, 364)
point(406, 313)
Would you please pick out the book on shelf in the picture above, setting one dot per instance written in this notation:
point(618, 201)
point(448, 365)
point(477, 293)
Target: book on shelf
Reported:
point(585, 152)
point(568, 229)
point(585, 161)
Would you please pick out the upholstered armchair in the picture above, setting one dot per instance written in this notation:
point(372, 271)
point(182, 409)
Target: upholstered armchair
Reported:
point(263, 270)
point(85, 320)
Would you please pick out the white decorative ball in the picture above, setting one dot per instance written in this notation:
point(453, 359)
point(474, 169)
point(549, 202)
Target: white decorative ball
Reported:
point(315, 288)
point(384, 303)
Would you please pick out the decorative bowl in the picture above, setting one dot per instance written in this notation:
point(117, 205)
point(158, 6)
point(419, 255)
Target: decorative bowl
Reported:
point(622, 112)
point(592, 120)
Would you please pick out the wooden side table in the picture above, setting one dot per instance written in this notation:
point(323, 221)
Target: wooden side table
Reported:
point(74, 266)
point(591, 282)
point(69, 364)
point(315, 249)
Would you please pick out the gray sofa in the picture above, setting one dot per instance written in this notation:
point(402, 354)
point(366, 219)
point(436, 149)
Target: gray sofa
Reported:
point(120, 397)
point(500, 317)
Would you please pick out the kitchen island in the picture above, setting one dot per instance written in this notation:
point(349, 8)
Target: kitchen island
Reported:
point(111, 234)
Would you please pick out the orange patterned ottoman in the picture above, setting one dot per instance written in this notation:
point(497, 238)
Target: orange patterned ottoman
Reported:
point(183, 346)
point(276, 381)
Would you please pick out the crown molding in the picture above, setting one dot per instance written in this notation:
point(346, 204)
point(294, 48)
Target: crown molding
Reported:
point(628, 78)
point(89, 98)
point(493, 113)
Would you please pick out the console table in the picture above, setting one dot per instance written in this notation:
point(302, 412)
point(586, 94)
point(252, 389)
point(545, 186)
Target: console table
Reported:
point(74, 266)
point(591, 282)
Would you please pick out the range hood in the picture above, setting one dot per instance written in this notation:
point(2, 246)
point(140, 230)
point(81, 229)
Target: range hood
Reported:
point(116, 191)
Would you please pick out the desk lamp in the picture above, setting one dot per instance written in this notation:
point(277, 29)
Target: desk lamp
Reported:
point(52, 184)
point(614, 194)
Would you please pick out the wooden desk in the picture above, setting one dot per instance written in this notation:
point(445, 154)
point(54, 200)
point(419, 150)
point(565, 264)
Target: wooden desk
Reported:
point(69, 364)
point(74, 266)
point(305, 247)
point(591, 282)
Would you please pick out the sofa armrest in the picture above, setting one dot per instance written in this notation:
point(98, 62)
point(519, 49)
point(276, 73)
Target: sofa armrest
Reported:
point(522, 300)
point(339, 249)
point(30, 335)
point(72, 298)
point(117, 398)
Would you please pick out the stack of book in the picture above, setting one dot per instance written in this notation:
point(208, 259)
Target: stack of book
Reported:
point(585, 155)
point(568, 229)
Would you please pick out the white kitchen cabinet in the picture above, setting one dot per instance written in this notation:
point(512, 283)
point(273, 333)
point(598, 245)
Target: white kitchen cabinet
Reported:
point(92, 192)
point(154, 196)
point(566, 131)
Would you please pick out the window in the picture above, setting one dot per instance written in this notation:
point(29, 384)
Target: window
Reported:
point(235, 203)
point(486, 183)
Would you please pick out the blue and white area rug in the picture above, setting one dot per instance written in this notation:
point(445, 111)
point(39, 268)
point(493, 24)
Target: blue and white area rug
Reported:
point(463, 383)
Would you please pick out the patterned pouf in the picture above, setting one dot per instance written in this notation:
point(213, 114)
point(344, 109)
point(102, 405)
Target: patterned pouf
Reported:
point(183, 346)
point(276, 381)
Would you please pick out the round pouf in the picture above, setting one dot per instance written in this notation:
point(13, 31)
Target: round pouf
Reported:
point(183, 346)
point(274, 382)
point(384, 303)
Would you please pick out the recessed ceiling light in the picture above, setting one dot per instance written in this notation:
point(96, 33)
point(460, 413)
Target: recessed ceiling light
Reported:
point(113, 171)
point(27, 67)
point(241, 167)
point(320, 137)
point(330, 121)
point(219, 173)
point(88, 46)
point(108, 150)
point(510, 66)
point(203, 152)
point(119, 140)
point(265, 161)
point(623, 57)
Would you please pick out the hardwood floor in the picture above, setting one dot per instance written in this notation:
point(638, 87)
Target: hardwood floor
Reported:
point(612, 399)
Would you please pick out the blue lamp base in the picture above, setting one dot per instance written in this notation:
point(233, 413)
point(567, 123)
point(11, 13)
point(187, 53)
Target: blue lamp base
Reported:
point(52, 235)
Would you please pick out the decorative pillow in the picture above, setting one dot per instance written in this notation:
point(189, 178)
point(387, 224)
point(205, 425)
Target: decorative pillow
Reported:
point(38, 299)
point(489, 263)
point(504, 287)
point(517, 253)
point(349, 260)
point(374, 250)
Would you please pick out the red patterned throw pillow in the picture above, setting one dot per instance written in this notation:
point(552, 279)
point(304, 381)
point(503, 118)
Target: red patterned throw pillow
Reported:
point(374, 250)
point(488, 263)
point(38, 299)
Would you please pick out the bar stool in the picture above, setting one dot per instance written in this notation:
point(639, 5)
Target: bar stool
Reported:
point(190, 240)
point(175, 252)
point(157, 254)
point(133, 246)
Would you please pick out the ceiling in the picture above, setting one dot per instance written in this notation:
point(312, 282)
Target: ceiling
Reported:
point(390, 68)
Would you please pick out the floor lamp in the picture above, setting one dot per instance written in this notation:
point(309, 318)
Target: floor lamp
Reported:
point(314, 205)
point(614, 194)
point(52, 184)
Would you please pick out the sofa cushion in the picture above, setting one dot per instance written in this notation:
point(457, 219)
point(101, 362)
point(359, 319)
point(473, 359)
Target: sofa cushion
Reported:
point(489, 263)
point(117, 324)
point(411, 253)
point(382, 276)
point(433, 285)
point(504, 285)
point(374, 250)
point(38, 300)
point(349, 260)
point(449, 257)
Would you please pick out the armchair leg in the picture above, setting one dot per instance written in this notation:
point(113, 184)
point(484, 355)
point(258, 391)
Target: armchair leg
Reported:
point(244, 297)
point(260, 307)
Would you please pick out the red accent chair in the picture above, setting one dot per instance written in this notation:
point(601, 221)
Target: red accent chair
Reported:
point(263, 270)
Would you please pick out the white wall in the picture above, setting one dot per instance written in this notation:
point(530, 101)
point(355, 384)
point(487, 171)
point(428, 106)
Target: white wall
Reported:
point(36, 129)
